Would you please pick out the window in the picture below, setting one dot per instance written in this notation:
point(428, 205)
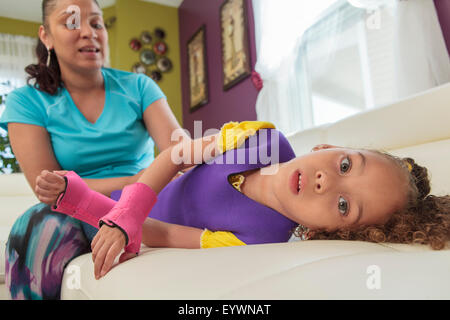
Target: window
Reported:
point(322, 61)
point(16, 52)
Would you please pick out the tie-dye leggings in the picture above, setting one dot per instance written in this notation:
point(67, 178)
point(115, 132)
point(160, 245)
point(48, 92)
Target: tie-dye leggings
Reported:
point(40, 245)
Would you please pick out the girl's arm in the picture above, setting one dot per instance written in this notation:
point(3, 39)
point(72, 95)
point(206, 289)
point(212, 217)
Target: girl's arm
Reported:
point(178, 157)
point(156, 233)
point(161, 123)
point(161, 234)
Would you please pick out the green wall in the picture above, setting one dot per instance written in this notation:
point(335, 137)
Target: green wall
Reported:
point(133, 17)
point(19, 27)
point(108, 13)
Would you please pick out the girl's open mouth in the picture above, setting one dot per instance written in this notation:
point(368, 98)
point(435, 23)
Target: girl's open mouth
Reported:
point(296, 182)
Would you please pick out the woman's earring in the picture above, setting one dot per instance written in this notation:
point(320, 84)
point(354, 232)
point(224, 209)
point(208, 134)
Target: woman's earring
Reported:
point(48, 57)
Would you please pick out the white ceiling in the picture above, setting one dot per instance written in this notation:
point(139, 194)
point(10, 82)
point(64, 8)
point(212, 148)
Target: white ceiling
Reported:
point(30, 10)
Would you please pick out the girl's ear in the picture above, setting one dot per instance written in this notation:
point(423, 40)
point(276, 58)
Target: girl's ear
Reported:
point(323, 146)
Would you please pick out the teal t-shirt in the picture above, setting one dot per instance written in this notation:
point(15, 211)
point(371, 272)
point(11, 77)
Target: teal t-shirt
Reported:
point(117, 144)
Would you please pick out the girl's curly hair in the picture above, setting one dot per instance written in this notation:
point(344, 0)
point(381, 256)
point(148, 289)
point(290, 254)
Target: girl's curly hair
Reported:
point(425, 219)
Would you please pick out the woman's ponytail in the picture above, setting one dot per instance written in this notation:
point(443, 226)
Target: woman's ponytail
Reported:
point(47, 78)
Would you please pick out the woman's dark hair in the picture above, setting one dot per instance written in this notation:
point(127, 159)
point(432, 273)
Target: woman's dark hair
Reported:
point(47, 79)
point(425, 219)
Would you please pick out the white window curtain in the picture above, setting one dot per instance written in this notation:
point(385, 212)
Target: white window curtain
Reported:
point(16, 52)
point(321, 61)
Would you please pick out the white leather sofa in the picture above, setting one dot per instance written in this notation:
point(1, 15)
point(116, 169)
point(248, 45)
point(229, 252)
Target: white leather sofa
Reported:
point(418, 127)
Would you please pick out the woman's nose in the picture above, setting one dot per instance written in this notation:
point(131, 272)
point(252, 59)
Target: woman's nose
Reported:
point(320, 182)
point(87, 31)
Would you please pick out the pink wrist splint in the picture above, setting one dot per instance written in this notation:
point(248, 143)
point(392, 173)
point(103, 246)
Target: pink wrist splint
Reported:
point(94, 208)
point(130, 212)
point(82, 203)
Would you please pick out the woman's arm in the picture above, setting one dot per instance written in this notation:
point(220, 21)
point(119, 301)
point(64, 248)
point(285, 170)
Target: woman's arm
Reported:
point(33, 150)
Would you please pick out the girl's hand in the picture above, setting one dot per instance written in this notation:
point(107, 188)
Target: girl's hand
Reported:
point(106, 245)
point(49, 186)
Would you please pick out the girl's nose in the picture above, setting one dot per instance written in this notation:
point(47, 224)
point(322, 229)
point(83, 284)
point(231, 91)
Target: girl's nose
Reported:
point(320, 182)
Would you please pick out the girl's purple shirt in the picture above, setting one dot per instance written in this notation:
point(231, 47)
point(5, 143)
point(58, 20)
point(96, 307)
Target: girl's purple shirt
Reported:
point(203, 197)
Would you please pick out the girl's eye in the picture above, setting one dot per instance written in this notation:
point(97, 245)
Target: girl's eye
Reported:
point(343, 206)
point(345, 165)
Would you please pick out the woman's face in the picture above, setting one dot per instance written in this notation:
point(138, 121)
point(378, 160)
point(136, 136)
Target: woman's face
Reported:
point(340, 188)
point(78, 37)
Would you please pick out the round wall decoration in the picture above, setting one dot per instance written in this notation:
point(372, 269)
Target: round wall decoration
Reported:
point(146, 37)
point(148, 57)
point(135, 44)
point(164, 64)
point(160, 33)
point(152, 54)
point(156, 75)
point(160, 48)
point(139, 68)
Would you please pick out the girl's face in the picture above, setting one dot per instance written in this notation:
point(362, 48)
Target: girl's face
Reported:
point(340, 188)
point(78, 37)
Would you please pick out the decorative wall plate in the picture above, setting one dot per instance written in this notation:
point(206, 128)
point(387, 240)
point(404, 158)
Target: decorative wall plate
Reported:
point(164, 64)
point(135, 44)
point(160, 33)
point(156, 75)
point(160, 48)
point(139, 68)
point(148, 57)
point(146, 37)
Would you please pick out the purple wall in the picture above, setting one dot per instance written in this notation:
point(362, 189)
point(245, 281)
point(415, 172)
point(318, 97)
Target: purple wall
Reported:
point(236, 104)
point(443, 12)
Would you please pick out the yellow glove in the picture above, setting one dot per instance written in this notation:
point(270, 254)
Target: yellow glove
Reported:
point(234, 134)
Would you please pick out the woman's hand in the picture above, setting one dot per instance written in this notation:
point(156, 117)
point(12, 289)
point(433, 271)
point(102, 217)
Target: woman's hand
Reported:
point(49, 186)
point(106, 245)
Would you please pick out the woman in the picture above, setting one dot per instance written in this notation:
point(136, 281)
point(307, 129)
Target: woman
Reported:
point(78, 116)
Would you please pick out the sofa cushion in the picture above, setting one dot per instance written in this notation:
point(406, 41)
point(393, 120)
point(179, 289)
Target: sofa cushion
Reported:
point(15, 185)
point(412, 121)
point(221, 272)
point(387, 275)
point(435, 156)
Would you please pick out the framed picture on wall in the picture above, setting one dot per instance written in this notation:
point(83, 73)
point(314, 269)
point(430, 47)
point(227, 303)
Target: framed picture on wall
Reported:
point(235, 46)
point(198, 77)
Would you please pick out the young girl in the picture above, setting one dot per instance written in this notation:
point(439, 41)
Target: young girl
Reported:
point(331, 193)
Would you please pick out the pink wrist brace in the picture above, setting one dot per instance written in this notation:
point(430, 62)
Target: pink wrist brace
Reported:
point(130, 212)
point(82, 203)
